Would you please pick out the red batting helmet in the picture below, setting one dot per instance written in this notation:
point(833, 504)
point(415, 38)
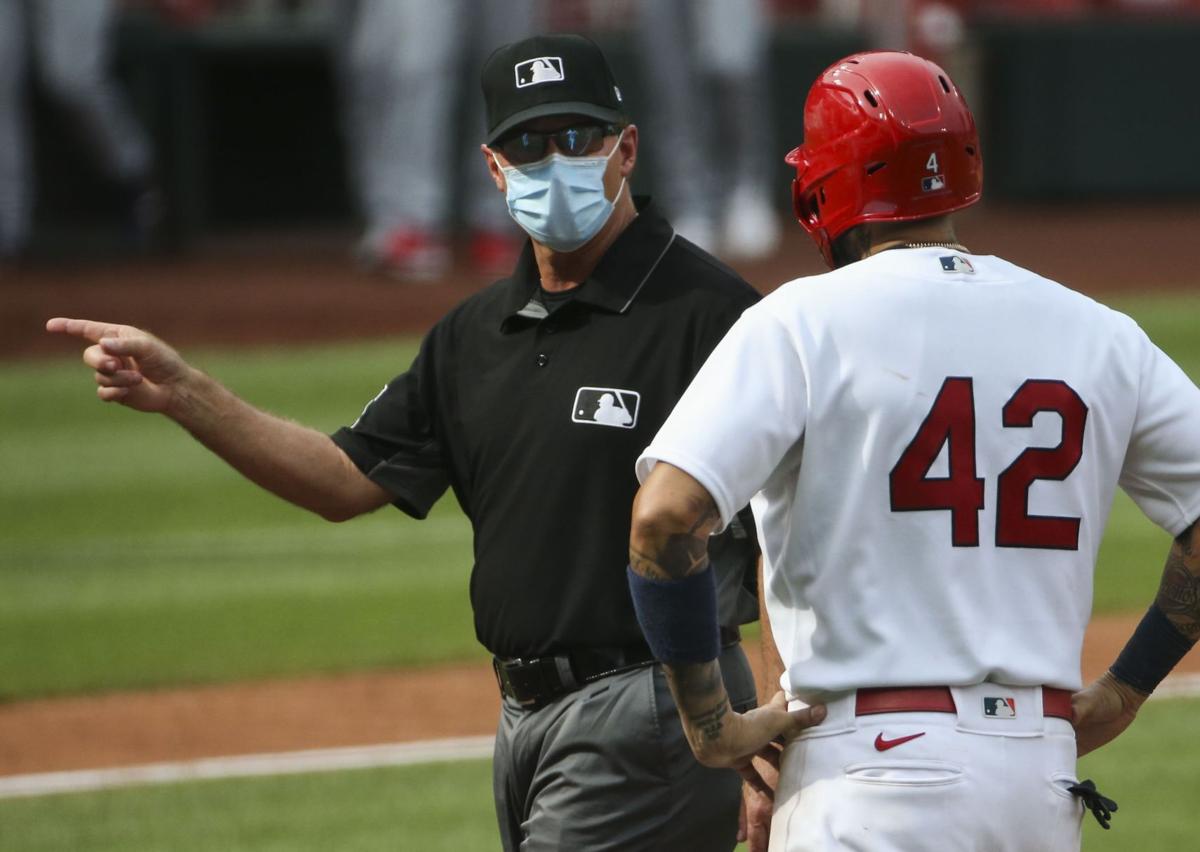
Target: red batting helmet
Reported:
point(887, 138)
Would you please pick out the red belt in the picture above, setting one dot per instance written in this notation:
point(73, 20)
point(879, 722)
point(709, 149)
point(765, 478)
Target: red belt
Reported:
point(938, 699)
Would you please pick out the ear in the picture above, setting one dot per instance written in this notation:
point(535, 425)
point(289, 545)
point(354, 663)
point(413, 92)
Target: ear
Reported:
point(629, 148)
point(494, 169)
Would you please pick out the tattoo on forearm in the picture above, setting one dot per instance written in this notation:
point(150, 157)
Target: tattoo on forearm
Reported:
point(1187, 540)
point(700, 693)
point(695, 683)
point(1179, 591)
point(679, 554)
point(709, 723)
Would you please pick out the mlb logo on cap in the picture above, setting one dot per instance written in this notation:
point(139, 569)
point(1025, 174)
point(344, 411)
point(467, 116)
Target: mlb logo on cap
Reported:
point(543, 69)
point(1000, 708)
point(513, 75)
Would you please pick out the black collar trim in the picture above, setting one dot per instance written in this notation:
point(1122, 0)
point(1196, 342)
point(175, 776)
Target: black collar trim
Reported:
point(618, 278)
point(649, 272)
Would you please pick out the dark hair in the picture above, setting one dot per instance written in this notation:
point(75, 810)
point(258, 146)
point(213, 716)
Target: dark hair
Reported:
point(849, 246)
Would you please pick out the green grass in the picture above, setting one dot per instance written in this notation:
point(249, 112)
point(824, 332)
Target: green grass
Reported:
point(1151, 772)
point(448, 806)
point(130, 557)
point(434, 807)
point(1171, 322)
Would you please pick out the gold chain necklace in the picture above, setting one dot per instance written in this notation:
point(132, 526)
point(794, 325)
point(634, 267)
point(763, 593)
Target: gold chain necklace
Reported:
point(902, 244)
point(955, 246)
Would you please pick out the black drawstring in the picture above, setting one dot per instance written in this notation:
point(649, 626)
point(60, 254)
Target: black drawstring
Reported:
point(1100, 805)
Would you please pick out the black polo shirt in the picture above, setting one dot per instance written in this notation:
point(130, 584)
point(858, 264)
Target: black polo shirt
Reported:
point(535, 419)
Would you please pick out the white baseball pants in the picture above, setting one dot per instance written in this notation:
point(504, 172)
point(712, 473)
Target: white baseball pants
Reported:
point(976, 780)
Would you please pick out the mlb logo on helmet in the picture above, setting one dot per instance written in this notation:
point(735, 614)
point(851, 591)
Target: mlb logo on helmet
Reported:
point(870, 152)
point(1000, 708)
point(542, 69)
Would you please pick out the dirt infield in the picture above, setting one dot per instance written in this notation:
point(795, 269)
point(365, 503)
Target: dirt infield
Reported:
point(358, 709)
point(303, 288)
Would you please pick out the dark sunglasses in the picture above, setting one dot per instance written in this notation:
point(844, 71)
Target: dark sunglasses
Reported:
point(529, 146)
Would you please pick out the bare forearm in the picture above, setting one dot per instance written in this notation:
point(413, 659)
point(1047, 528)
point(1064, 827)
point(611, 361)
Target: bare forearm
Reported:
point(703, 703)
point(295, 462)
point(673, 518)
point(138, 370)
point(675, 596)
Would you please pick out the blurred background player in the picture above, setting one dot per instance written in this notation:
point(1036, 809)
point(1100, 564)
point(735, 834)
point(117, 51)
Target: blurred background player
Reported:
point(710, 120)
point(70, 41)
point(400, 65)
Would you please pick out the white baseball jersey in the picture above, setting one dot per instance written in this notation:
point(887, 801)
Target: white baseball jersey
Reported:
point(932, 441)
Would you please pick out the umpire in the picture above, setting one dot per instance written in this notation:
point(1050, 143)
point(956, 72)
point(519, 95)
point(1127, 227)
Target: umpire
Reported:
point(532, 400)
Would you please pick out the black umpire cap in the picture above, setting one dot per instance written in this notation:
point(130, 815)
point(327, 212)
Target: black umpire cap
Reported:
point(548, 75)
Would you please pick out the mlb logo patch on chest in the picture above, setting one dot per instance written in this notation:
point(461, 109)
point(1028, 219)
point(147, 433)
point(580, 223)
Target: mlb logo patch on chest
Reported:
point(1000, 708)
point(606, 407)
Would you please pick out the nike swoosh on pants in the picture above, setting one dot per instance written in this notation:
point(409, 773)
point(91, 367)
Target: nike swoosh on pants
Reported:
point(883, 745)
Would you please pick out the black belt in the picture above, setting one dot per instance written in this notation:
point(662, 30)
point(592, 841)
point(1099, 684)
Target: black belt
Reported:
point(535, 681)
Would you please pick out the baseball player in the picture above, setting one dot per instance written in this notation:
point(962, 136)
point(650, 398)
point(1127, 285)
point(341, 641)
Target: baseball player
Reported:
point(709, 60)
point(932, 439)
point(397, 63)
point(71, 43)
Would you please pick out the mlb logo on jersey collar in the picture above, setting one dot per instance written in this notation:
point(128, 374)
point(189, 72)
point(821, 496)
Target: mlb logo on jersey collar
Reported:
point(956, 263)
point(542, 69)
point(1000, 708)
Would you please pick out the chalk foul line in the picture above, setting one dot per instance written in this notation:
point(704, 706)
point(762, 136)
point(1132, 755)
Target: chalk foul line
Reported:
point(319, 760)
point(247, 766)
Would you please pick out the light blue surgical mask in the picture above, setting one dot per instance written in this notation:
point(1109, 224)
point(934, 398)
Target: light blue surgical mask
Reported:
point(559, 200)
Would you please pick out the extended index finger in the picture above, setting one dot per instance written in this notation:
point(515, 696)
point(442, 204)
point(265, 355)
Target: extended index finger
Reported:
point(87, 329)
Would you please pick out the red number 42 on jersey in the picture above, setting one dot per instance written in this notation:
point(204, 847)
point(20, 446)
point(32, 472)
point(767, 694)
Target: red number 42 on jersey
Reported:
point(951, 421)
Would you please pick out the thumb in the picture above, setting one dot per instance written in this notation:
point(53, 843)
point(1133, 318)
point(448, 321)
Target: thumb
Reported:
point(806, 717)
point(794, 721)
point(800, 719)
point(1082, 704)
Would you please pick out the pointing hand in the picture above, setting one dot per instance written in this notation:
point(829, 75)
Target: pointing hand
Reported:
point(133, 367)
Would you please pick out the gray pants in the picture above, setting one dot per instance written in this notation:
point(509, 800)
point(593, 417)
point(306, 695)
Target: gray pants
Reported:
point(499, 22)
point(607, 767)
point(397, 64)
point(400, 63)
point(71, 44)
point(708, 125)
